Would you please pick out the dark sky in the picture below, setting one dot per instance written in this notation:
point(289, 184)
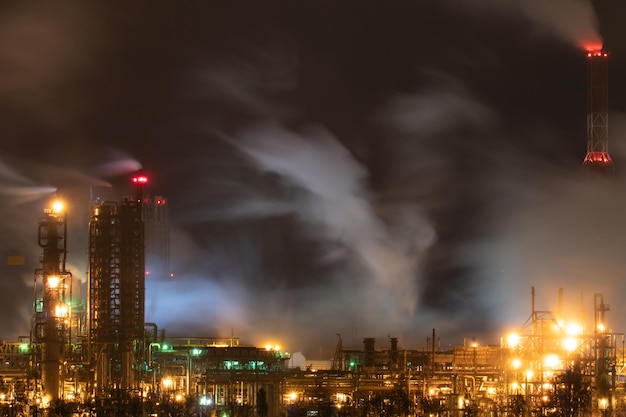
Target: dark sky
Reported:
point(366, 168)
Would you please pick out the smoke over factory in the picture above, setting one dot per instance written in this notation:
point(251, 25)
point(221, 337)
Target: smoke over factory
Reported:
point(351, 208)
point(99, 354)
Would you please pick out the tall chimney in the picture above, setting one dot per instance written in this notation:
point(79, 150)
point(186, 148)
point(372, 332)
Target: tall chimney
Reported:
point(597, 159)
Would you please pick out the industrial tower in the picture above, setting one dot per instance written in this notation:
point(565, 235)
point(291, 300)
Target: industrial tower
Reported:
point(597, 159)
point(117, 290)
point(157, 237)
point(51, 325)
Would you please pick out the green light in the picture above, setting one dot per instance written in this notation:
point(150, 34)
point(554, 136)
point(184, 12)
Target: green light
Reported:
point(196, 352)
point(24, 347)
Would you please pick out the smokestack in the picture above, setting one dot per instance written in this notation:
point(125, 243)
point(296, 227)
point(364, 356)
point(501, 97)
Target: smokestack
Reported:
point(598, 159)
point(368, 354)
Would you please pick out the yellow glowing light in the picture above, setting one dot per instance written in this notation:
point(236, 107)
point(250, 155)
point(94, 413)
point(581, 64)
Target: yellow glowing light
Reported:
point(574, 329)
point(551, 361)
point(491, 390)
point(272, 346)
point(515, 385)
point(517, 363)
point(601, 327)
point(58, 206)
point(60, 311)
point(530, 374)
point(53, 282)
point(603, 403)
point(570, 344)
point(512, 340)
point(461, 402)
point(167, 382)
point(178, 397)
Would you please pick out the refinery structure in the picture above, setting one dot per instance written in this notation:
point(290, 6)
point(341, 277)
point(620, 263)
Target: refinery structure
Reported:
point(99, 356)
point(598, 159)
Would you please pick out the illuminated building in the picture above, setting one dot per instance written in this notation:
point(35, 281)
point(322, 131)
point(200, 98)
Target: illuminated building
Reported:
point(117, 290)
point(550, 365)
point(220, 374)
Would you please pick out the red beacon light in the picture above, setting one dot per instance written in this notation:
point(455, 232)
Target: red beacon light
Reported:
point(597, 53)
point(140, 180)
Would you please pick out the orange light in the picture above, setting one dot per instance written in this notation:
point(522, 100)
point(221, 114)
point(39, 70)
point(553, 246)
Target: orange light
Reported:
point(591, 45)
point(602, 157)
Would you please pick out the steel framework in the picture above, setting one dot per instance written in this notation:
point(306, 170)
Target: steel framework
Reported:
point(116, 291)
point(597, 158)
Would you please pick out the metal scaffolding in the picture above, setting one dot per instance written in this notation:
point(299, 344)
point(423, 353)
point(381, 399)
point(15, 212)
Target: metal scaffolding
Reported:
point(116, 292)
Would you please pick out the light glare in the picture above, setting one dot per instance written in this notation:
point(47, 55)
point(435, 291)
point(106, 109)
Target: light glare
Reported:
point(53, 282)
point(512, 340)
point(58, 206)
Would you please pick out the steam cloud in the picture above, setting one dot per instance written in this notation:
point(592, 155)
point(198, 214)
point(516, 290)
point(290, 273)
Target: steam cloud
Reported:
point(337, 207)
point(574, 21)
point(372, 261)
point(428, 196)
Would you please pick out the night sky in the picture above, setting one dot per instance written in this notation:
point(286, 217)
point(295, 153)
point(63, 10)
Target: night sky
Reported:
point(366, 168)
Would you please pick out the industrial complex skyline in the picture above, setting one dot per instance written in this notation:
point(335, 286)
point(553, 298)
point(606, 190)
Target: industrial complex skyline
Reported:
point(353, 168)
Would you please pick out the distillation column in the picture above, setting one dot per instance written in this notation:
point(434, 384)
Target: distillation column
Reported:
point(51, 310)
point(597, 158)
point(604, 349)
point(117, 289)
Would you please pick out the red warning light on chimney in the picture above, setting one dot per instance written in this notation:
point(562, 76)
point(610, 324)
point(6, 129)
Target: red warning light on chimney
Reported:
point(140, 180)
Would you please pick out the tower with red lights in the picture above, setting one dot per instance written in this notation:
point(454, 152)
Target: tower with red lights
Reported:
point(597, 159)
point(117, 290)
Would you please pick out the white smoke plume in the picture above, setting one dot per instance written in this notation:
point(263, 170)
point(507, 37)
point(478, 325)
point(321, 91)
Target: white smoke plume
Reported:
point(337, 206)
point(573, 21)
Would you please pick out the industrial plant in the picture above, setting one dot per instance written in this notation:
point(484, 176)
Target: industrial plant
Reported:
point(99, 356)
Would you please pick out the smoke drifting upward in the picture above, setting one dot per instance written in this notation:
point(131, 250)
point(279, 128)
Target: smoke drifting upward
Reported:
point(574, 21)
point(438, 185)
point(336, 207)
point(368, 264)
